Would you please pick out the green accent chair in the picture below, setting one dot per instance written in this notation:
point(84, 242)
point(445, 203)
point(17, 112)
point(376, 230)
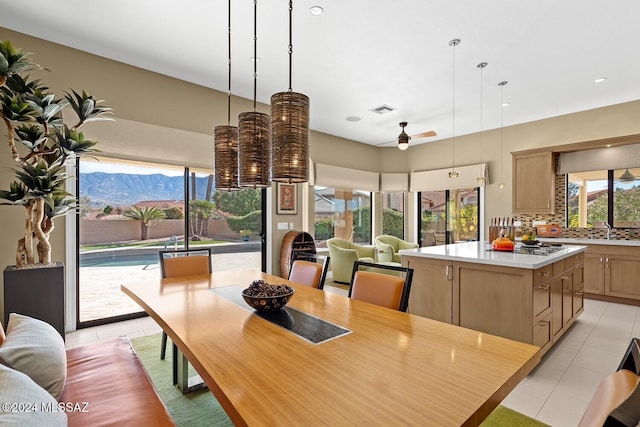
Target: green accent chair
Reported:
point(388, 247)
point(343, 254)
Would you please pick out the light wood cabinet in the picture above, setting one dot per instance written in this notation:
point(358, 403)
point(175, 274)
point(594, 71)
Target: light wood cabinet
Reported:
point(533, 182)
point(431, 290)
point(532, 306)
point(594, 273)
point(612, 271)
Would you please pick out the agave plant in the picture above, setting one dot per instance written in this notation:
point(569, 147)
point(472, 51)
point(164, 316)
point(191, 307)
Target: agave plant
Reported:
point(42, 145)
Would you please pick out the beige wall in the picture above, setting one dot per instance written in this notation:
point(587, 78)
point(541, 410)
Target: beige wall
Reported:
point(145, 98)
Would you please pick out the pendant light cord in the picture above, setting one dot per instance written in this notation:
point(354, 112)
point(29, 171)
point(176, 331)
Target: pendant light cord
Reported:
point(229, 65)
point(255, 54)
point(290, 42)
point(453, 121)
point(502, 85)
point(453, 43)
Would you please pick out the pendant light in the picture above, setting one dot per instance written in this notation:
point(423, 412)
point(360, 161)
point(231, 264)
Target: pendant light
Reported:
point(627, 176)
point(453, 173)
point(225, 139)
point(502, 85)
point(254, 141)
point(481, 180)
point(290, 129)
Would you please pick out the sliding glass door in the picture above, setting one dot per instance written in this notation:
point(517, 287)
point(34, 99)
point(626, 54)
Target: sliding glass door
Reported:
point(128, 212)
point(448, 216)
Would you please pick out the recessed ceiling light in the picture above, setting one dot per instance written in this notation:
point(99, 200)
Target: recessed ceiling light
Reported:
point(255, 59)
point(353, 119)
point(600, 80)
point(316, 10)
point(506, 104)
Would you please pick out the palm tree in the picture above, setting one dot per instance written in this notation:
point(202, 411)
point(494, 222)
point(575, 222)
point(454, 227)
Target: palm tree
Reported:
point(200, 211)
point(145, 216)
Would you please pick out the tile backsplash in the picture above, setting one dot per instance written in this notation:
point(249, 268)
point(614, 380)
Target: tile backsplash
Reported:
point(560, 216)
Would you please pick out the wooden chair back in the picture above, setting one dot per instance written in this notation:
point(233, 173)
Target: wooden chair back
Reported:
point(379, 286)
point(185, 262)
point(308, 271)
point(616, 401)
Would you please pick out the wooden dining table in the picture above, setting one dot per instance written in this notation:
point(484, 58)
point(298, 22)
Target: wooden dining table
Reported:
point(383, 367)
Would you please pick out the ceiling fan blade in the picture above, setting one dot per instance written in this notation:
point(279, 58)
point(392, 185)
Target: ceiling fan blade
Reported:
point(427, 134)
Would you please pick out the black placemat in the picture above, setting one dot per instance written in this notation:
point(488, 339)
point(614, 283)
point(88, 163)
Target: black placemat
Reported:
point(300, 323)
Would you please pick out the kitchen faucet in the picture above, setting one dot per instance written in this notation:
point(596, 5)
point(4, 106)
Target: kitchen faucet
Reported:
point(610, 233)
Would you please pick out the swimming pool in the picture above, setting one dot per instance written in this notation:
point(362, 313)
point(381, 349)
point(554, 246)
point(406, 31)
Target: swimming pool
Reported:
point(123, 257)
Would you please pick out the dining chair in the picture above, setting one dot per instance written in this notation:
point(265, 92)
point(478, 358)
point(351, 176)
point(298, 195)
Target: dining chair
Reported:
point(309, 270)
point(176, 263)
point(380, 284)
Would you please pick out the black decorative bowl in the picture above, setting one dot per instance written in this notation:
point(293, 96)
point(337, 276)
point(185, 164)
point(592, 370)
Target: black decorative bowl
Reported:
point(268, 303)
point(530, 242)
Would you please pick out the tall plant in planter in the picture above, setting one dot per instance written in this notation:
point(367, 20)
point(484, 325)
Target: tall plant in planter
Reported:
point(41, 144)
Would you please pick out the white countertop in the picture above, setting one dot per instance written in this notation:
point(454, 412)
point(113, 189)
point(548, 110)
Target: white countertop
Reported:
point(574, 241)
point(481, 253)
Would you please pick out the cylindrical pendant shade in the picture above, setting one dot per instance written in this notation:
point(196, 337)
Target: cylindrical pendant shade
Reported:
point(254, 155)
point(290, 133)
point(225, 157)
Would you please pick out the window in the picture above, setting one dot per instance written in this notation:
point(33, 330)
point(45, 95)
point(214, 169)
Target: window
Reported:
point(598, 198)
point(128, 212)
point(393, 214)
point(342, 213)
point(448, 216)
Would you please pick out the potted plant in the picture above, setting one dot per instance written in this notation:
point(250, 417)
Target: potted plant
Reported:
point(42, 145)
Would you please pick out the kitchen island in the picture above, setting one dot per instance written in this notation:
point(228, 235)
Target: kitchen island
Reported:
point(528, 297)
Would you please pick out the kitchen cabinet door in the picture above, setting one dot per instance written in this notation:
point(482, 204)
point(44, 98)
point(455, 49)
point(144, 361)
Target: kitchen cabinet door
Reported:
point(533, 183)
point(578, 289)
point(431, 289)
point(557, 323)
point(622, 276)
point(594, 273)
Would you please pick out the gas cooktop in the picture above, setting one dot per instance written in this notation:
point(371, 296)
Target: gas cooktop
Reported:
point(536, 250)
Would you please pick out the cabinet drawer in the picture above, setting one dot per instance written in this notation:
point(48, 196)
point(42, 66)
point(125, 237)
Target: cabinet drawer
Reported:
point(541, 297)
point(542, 274)
point(542, 331)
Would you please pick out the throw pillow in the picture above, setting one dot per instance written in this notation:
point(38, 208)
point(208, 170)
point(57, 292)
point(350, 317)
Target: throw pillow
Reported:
point(25, 404)
point(36, 349)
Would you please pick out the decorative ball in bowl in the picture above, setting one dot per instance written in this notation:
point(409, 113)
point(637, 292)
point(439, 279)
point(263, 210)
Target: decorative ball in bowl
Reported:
point(262, 296)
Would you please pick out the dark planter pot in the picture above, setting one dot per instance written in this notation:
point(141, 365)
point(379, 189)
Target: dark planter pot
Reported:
point(36, 292)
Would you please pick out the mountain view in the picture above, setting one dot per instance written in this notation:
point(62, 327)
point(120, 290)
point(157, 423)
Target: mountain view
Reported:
point(122, 189)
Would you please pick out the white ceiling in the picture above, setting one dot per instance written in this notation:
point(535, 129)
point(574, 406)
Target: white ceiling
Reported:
point(360, 54)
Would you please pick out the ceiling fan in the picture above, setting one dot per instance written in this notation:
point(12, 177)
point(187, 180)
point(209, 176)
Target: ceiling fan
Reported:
point(403, 138)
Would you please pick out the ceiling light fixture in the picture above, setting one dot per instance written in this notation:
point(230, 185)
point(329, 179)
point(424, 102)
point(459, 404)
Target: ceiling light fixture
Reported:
point(225, 138)
point(502, 85)
point(290, 129)
point(254, 142)
point(453, 173)
point(627, 176)
point(316, 10)
point(600, 79)
point(481, 180)
point(403, 138)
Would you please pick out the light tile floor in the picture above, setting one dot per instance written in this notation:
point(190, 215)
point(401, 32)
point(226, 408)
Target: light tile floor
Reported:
point(556, 392)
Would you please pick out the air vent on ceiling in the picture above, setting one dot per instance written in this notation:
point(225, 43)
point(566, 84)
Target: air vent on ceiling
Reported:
point(382, 109)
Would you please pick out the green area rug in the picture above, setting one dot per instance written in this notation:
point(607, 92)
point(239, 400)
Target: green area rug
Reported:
point(199, 408)
point(505, 417)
